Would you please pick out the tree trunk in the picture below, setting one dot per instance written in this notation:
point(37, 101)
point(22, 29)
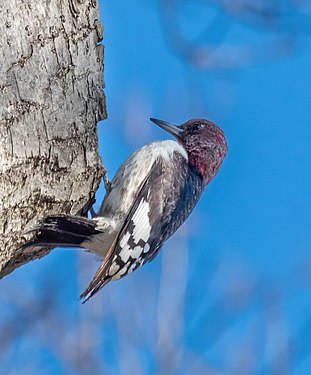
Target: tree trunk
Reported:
point(51, 81)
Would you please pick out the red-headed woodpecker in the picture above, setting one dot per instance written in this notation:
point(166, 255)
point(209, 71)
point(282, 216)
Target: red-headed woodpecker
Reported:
point(151, 195)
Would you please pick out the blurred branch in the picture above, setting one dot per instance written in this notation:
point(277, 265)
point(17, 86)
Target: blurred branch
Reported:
point(281, 25)
point(275, 16)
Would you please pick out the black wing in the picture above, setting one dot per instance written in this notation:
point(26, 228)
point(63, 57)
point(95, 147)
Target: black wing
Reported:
point(165, 200)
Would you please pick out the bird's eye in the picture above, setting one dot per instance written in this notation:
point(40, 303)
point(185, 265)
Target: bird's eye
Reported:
point(197, 126)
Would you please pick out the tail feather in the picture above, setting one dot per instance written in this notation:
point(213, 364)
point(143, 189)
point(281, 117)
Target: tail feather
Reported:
point(62, 230)
point(100, 278)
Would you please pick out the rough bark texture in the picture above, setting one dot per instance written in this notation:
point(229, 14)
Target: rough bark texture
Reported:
point(51, 80)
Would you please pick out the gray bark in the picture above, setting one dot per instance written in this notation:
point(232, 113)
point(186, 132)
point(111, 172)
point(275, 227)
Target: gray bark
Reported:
point(51, 80)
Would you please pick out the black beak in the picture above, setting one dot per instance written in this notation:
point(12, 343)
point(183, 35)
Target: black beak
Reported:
point(172, 129)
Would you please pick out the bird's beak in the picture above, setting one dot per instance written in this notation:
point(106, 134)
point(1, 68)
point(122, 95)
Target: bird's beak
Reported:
point(172, 129)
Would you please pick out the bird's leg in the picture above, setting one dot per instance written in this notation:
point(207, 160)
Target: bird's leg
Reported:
point(92, 212)
point(107, 183)
point(88, 207)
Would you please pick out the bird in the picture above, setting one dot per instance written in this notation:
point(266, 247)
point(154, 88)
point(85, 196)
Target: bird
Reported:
point(150, 196)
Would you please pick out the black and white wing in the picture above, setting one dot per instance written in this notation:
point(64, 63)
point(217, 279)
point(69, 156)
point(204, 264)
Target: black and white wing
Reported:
point(165, 199)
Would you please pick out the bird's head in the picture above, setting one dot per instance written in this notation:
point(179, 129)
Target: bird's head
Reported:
point(204, 142)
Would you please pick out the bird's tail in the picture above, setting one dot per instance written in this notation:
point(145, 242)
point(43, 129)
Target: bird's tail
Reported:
point(62, 230)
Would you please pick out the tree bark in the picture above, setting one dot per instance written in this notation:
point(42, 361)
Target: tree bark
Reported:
point(51, 81)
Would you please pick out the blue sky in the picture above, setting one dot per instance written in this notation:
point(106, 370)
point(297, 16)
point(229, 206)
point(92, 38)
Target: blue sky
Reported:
point(230, 291)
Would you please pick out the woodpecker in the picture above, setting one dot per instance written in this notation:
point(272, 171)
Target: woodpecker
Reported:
point(152, 194)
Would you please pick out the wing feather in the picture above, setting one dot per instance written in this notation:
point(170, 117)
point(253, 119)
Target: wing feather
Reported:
point(102, 276)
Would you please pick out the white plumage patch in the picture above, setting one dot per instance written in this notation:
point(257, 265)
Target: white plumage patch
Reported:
point(113, 269)
point(136, 252)
point(119, 274)
point(142, 227)
point(125, 252)
point(131, 269)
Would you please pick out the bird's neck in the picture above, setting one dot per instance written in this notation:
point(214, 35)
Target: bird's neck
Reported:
point(203, 164)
